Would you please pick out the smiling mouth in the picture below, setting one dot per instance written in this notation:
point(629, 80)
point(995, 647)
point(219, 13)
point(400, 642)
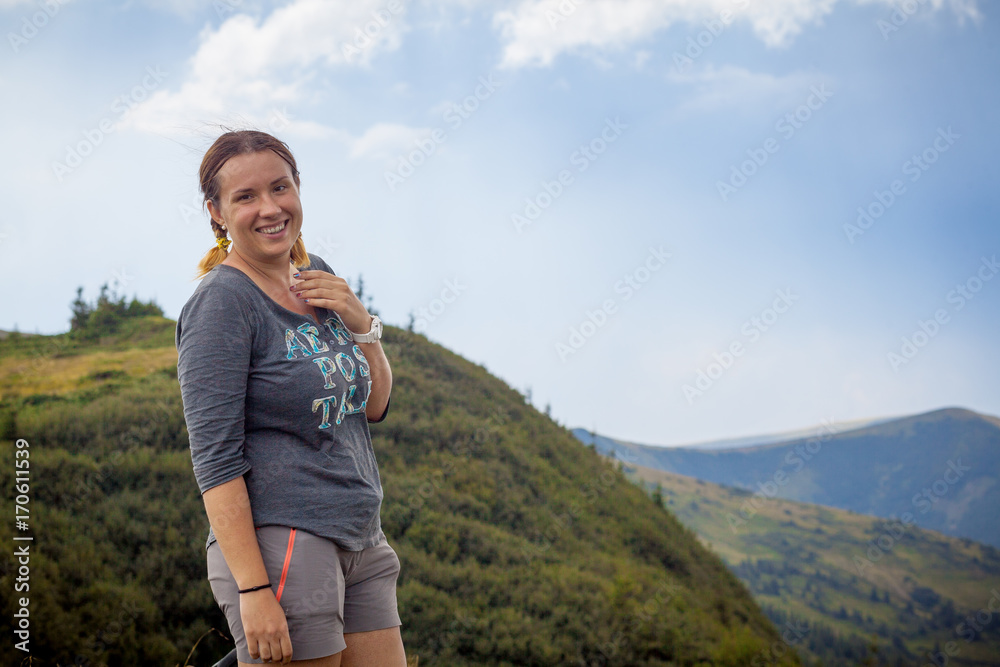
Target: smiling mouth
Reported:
point(273, 230)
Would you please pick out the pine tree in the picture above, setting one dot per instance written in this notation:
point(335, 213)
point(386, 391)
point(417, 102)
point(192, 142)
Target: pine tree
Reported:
point(81, 311)
point(658, 495)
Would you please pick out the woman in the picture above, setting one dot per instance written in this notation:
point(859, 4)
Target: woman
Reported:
point(281, 370)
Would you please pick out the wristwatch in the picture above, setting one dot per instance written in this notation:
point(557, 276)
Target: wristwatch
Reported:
point(373, 335)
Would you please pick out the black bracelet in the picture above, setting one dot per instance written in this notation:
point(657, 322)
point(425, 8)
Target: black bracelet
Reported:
point(255, 588)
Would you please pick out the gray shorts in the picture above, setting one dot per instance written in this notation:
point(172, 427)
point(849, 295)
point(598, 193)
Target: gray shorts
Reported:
point(324, 590)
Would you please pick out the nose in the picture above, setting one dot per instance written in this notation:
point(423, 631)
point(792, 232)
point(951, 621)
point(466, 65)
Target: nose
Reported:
point(268, 206)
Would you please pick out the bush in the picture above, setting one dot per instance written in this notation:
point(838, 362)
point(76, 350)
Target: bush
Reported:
point(106, 314)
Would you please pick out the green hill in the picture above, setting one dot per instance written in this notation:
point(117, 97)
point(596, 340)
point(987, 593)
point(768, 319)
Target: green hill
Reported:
point(942, 467)
point(847, 574)
point(518, 546)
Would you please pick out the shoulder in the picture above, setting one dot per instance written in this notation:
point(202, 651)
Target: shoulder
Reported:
point(221, 282)
point(222, 294)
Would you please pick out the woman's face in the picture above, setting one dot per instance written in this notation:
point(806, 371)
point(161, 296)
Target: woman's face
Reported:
point(259, 206)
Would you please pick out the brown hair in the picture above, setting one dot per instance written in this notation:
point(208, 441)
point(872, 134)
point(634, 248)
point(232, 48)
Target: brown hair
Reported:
point(231, 144)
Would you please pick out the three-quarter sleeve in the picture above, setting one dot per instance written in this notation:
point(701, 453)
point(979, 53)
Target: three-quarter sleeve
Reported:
point(214, 339)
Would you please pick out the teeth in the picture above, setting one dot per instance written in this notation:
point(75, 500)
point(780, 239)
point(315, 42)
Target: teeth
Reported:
point(272, 230)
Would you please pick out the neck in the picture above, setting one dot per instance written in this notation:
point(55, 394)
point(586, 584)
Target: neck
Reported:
point(273, 272)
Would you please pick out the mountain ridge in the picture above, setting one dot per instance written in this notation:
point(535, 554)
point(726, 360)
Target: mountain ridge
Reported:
point(942, 466)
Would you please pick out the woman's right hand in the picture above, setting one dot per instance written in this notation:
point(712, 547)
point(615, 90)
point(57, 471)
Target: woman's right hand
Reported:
point(265, 626)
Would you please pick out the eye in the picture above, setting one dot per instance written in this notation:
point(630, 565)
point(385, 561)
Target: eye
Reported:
point(281, 187)
point(243, 197)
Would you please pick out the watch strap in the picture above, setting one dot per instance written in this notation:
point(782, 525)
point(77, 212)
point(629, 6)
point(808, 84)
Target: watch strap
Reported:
point(369, 337)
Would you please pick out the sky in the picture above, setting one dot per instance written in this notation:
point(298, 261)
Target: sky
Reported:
point(671, 221)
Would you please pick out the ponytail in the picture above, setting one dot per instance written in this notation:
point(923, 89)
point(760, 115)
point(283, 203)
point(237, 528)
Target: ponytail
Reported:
point(212, 258)
point(300, 258)
point(215, 256)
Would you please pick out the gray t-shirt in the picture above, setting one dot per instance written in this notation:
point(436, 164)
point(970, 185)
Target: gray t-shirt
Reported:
point(274, 396)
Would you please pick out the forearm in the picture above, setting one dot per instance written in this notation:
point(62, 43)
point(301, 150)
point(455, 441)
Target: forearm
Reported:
point(378, 366)
point(228, 509)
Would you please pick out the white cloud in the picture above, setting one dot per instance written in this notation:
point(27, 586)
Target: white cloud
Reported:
point(535, 32)
point(249, 71)
point(966, 9)
point(384, 141)
point(731, 87)
point(250, 66)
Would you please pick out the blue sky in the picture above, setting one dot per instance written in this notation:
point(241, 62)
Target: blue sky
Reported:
point(510, 167)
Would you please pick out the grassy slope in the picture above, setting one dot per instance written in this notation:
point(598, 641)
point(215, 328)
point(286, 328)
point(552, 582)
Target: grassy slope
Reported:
point(809, 560)
point(518, 546)
point(55, 365)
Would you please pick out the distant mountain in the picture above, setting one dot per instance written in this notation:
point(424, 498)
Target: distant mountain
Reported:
point(844, 577)
point(746, 441)
point(518, 547)
point(940, 467)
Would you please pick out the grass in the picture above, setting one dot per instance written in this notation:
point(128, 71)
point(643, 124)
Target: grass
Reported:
point(829, 550)
point(59, 365)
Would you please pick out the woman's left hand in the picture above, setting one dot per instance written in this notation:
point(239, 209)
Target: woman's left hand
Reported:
point(325, 290)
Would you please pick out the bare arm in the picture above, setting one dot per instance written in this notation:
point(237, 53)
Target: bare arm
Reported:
point(264, 622)
point(378, 364)
point(228, 509)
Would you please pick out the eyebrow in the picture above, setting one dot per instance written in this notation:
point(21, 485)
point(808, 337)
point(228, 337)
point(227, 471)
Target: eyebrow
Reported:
point(277, 180)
